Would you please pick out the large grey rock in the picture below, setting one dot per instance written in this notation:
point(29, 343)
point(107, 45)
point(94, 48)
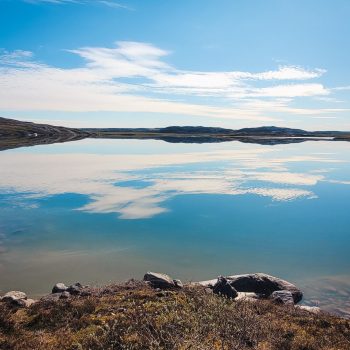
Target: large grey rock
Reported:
point(13, 296)
point(159, 280)
point(59, 288)
point(282, 297)
point(223, 287)
point(259, 283)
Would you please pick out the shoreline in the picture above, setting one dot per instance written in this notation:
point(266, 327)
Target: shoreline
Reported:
point(251, 287)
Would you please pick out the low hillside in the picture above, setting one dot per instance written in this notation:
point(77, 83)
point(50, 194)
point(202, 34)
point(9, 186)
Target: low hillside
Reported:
point(135, 316)
point(14, 133)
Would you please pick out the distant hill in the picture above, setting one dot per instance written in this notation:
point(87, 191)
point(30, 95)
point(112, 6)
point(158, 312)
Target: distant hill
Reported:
point(204, 130)
point(11, 127)
point(273, 131)
point(195, 130)
point(14, 133)
point(276, 131)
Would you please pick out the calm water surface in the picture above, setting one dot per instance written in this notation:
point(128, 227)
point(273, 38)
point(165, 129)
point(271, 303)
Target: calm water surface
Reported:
point(96, 211)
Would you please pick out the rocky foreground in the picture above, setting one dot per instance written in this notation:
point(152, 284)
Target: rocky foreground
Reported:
point(254, 311)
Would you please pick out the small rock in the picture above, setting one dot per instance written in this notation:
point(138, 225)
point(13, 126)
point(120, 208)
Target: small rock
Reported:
point(222, 287)
point(75, 289)
point(64, 295)
point(23, 302)
point(313, 309)
point(247, 296)
point(282, 297)
point(178, 283)
point(59, 288)
point(13, 296)
point(159, 280)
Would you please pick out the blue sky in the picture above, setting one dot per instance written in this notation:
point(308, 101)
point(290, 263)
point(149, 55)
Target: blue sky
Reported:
point(231, 63)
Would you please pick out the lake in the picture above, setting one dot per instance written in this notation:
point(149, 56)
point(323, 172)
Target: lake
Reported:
point(97, 211)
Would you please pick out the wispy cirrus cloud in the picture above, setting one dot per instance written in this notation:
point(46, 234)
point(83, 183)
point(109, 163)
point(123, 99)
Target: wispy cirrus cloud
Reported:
point(52, 1)
point(136, 77)
point(115, 5)
point(109, 3)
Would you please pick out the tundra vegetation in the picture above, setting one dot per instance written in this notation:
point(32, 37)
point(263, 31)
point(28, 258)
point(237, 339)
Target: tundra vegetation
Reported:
point(136, 316)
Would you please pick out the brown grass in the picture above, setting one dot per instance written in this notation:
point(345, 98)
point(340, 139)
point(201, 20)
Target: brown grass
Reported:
point(137, 317)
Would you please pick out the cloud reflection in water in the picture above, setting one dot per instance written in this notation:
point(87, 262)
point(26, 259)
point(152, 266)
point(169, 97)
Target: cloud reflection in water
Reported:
point(255, 171)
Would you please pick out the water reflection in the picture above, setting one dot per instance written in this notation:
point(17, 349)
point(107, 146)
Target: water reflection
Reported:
point(137, 186)
point(100, 210)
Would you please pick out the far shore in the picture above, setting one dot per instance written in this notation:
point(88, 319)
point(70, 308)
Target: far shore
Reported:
point(14, 134)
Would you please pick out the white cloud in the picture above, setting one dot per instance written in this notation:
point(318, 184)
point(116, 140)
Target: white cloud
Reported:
point(224, 80)
point(290, 73)
point(135, 77)
point(290, 90)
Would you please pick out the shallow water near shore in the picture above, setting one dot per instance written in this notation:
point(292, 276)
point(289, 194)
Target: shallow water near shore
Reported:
point(97, 211)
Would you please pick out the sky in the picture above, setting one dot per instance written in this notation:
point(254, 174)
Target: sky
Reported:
point(155, 63)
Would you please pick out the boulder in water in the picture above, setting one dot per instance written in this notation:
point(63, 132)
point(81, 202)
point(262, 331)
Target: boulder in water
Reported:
point(259, 283)
point(264, 284)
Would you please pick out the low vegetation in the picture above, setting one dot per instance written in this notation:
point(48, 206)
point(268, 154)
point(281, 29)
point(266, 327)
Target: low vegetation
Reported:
point(134, 316)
